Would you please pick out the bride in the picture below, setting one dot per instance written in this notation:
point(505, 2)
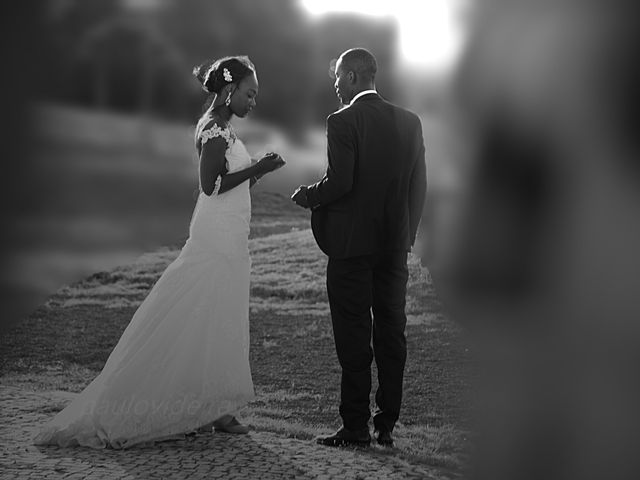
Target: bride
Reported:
point(182, 363)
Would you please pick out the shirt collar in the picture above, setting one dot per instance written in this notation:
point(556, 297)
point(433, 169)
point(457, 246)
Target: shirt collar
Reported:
point(362, 93)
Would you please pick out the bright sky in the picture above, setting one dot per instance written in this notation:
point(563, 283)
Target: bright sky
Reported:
point(430, 33)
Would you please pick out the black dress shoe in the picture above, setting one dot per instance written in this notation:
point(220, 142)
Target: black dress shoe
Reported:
point(383, 437)
point(347, 438)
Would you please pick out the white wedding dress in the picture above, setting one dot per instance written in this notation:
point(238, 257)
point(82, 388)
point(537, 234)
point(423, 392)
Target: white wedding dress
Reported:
point(183, 360)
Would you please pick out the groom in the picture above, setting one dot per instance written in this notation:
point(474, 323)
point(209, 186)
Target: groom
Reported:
point(365, 215)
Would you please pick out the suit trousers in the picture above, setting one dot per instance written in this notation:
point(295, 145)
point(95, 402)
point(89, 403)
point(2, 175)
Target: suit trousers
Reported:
point(367, 297)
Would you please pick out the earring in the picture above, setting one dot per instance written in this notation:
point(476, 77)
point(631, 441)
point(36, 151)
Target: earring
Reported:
point(227, 102)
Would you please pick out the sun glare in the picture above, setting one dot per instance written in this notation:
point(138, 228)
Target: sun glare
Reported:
point(430, 36)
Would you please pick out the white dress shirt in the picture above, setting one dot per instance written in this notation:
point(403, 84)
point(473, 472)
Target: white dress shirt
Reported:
point(364, 92)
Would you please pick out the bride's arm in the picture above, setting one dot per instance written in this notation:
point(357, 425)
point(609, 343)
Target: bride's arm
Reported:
point(232, 180)
point(214, 177)
point(213, 169)
point(213, 165)
point(253, 180)
point(266, 164)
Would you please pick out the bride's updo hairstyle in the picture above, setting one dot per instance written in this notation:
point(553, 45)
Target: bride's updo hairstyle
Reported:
point(215, 75)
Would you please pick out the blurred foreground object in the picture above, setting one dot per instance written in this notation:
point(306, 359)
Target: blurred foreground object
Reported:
point(543, 264)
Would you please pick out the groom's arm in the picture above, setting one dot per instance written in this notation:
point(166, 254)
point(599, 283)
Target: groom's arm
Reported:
point(338, 180)
point(417, 186)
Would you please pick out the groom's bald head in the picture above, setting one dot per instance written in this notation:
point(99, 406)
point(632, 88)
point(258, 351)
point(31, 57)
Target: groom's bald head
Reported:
point(355, 71)
point(361, 62)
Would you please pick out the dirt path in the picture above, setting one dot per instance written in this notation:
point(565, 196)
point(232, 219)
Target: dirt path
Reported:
point(257, 455)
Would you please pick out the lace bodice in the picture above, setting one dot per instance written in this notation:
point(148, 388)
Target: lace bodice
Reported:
point(216, 131)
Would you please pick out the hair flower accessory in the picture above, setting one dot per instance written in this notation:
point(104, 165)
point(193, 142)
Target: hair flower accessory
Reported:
point(227, 75)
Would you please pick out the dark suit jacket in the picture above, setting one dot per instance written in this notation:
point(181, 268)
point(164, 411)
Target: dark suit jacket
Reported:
point(370, 199)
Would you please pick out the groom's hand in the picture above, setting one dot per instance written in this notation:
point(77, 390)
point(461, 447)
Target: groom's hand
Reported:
point(300, 196)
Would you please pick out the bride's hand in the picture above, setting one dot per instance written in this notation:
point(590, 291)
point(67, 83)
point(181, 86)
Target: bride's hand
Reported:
point(270, 162)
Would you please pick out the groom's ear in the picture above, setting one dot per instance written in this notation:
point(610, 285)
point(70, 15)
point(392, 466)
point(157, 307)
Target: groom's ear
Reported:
point(351, 75)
